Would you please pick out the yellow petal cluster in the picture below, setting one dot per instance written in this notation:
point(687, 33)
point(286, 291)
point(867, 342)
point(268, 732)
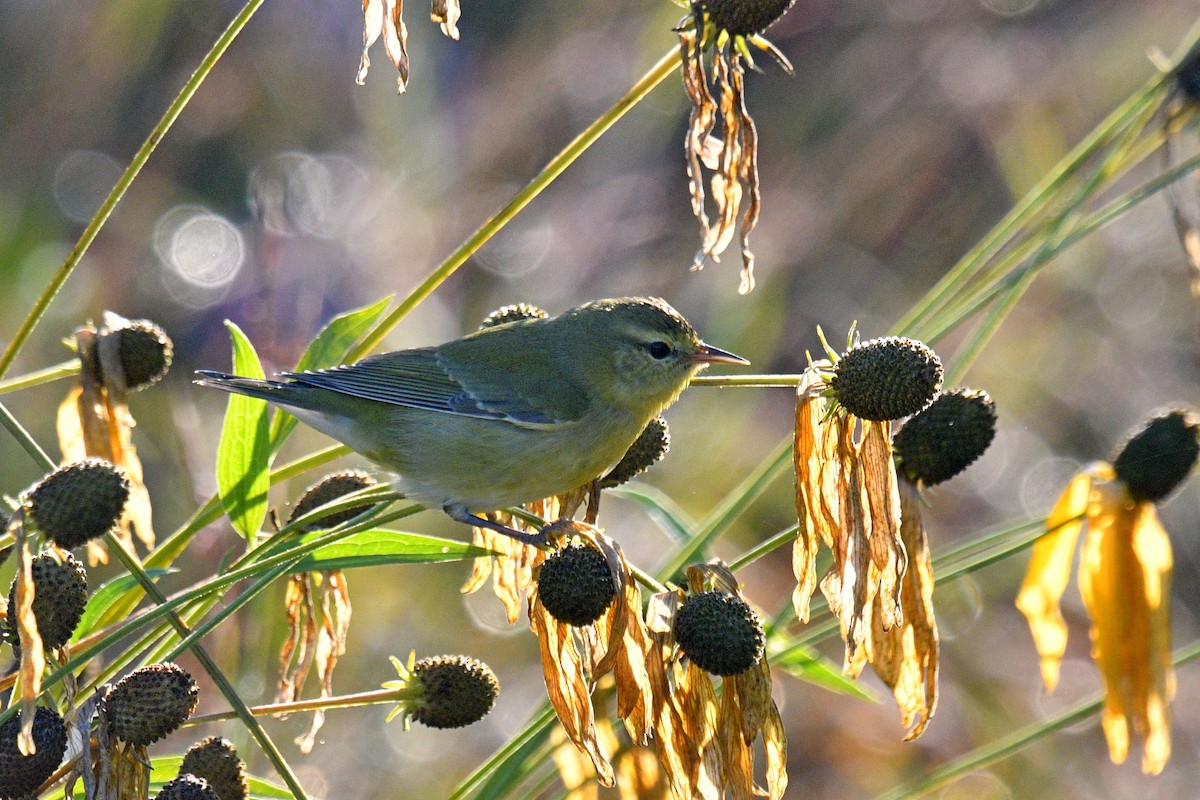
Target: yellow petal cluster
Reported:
point(1124, 578)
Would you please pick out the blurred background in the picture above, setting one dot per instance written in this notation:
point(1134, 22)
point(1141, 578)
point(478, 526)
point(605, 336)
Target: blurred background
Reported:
point(285, 194)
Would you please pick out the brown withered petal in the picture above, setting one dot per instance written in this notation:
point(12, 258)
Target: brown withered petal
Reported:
point(512, 569)
point(905, 656)
point(446, 14)
point(384, 18)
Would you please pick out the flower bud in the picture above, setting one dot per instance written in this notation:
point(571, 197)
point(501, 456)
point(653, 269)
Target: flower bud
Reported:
point(328, 489)
point(648, 449)
point(78, 502)
point(887, 378)
point(21, 775)
point(60, 591)
point(576, 585)
point(719, 632)
point(947, 437)
point(455, 691)
point(150, 702)
point(1158, 457)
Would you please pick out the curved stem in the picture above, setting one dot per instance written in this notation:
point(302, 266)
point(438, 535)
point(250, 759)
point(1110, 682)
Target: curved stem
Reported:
point(118, 191)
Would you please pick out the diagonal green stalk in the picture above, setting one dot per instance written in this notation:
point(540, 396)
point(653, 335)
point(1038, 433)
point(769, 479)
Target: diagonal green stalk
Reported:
point(1009, 745)
point(567, 156)
point(127, 177)
point(57, 372)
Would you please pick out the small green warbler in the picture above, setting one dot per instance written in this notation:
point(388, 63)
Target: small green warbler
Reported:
point(508, 414)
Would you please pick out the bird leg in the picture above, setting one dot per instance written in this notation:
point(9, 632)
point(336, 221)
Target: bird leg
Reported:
point(460, 514)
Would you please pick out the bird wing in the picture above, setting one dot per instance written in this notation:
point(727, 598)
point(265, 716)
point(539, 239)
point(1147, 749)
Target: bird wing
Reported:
point(451, 381)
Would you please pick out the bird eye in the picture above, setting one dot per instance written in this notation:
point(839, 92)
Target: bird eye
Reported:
point(659, 350)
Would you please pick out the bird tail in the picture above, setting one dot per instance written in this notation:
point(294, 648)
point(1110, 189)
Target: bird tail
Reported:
point(283, 394)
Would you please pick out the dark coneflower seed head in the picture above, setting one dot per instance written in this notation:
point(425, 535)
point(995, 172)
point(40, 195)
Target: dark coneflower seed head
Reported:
point(188, 787)
point(78, 502)
point(1187, 75)
point(145, 350)
point(947, 437)
point(1158, 457)
point(512, 313)
point(150, 702)
point(719, 632)
point(887, 378)
point(328, 489)
point(216, 760)
point(647, 450)
point(744, 17)
point(575, 585)
point(60, 591)
point(20, 775)
point(456, 691)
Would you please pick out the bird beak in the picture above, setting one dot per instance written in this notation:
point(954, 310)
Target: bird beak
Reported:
point(707, 354)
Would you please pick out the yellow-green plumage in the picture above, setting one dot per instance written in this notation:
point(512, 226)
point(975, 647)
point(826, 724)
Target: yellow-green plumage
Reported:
point(507, 414)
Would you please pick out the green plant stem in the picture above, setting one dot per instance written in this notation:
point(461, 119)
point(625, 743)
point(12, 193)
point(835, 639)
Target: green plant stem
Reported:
point(48, 375)
point(118, 191)
point(768, 545)
point(13, 426)
point(371, 698)
point(730, 508)
point(1004, 747)
point(656, 74)
point(536, 727)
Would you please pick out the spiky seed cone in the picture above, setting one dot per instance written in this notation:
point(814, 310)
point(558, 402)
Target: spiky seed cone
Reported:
point(719, 632)
point(744, 17)
point(188, 787)
point(946, 437)
point(1158, 457)
point(1187, 75)
point(456, 691)
point(150, 702)
point(21, 776)
point(647, 450)
point(217, 761)
point(328, 489)
point(60, 591)
point(575, 585)
point(78, 502)
point(145, 351)
point(512, 313)
point(886, 378)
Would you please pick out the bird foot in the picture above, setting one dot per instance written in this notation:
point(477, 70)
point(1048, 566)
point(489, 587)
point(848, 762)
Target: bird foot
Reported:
point(538, 539)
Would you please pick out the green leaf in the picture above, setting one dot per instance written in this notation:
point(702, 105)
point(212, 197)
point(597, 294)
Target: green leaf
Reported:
point(327, 349)
point(660, 508)
point(244, 456)
point(378, 546)
point(95, 614)
point(809, 665)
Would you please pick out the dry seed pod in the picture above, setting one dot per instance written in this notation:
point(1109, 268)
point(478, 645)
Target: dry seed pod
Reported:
point(647, 450)
point(143, 348)
point(719, 632)
point(60, 591)
point(744, 17)
point(456, 691)
point(78, 502)
point(150, 702)
point(512, 313)
point(188, 787)
point(575, 585)
point(216, 760)
point(947, 437)
point(1158, 457)
point(885, 379)
point(20, 775)
point(328, 489)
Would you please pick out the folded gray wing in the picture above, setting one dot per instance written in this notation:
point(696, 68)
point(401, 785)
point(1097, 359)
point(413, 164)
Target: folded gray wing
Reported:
point(417, 379)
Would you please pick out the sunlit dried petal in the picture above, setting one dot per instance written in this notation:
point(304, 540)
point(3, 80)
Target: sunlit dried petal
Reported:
point(1124, 577)
point(816, 488)
point(33, 656)
point(512, 570)
point(384, 17)
point(331, 644)
point(446, 14)
point(1049, 571)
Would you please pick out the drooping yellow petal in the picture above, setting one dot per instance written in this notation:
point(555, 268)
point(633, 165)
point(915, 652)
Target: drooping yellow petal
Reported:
point(812, 450)
point(1124, 577)
point(1049, 572)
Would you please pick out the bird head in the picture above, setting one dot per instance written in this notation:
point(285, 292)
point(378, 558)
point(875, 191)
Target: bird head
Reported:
point(638, 352)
